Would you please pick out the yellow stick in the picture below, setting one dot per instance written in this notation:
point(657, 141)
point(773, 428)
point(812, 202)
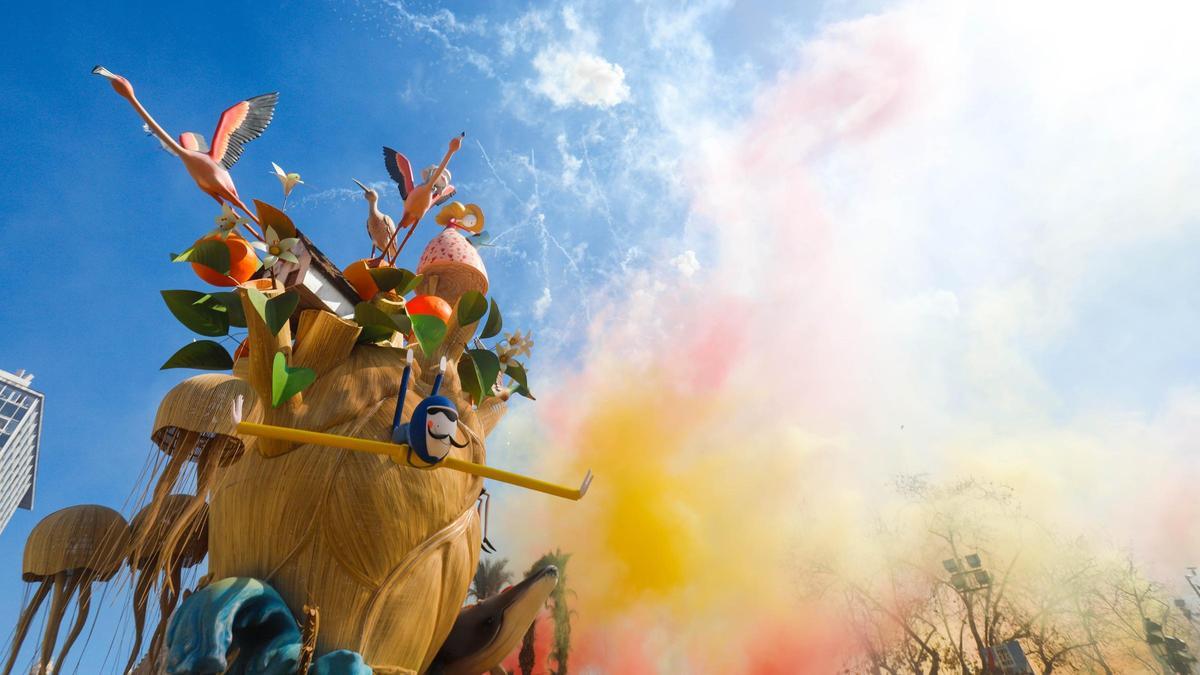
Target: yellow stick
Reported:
point(399, 454)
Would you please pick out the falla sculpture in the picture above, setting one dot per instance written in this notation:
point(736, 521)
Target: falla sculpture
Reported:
point(338, 460)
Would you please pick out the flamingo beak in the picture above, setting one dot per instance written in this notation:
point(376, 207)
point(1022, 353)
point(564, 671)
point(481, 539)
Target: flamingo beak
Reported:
point(364, 187)
point(103, 72)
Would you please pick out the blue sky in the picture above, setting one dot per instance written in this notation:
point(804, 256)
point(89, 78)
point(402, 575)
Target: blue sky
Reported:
point(1018, 249)
point(93, 205)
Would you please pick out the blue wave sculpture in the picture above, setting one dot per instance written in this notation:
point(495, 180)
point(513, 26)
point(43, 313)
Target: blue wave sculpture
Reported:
point(245, 618)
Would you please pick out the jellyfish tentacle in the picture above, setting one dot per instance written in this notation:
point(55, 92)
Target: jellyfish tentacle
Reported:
point(175, 541)
point(83, 607)
point(162, 489)
point(64, 584)
point(167, 600)
point(141, 596)
point(26, 618)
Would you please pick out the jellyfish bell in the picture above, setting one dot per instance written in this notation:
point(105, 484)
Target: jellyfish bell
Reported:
point(65, 554)
point(155, 566)
point(196, 422)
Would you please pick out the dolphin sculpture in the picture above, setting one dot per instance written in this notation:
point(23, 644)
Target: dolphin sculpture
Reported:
point(490, 630)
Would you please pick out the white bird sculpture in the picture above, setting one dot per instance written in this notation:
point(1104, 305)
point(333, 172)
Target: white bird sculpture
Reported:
point(380, 226)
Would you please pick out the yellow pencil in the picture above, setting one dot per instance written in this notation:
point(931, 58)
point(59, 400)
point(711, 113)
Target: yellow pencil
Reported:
point(399, 454)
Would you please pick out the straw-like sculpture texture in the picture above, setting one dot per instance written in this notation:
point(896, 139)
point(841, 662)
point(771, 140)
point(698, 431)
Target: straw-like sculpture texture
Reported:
point(385, 552)
point(192, 549)
point(195, 415)
point(86, 537)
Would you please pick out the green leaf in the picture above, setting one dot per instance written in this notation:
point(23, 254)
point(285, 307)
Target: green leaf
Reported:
point(411, 285)
point(201, 355)
point(212, 253)
point(286, 382)
point(487, 368)
point(471, 307)
point(517, 372)
point(429, 331)
point(373, 334)
point(201, 318)
point(494, 323)
point(469, 378)
point(367, 314)
point(274, 311)
point(233, 307)
point(394, 279)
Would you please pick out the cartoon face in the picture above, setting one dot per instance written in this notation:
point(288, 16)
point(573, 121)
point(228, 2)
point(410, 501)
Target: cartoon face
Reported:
point(441, 423)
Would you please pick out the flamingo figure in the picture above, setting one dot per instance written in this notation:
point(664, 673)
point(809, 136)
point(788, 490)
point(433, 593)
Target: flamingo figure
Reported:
point(209, 167)
point(434, 190)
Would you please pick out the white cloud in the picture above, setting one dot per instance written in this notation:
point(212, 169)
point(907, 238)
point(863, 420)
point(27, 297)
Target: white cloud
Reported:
point(579, 78)
point(686, 263)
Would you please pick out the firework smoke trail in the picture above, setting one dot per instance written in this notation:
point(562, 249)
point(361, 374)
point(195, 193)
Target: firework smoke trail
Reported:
point(883, 279)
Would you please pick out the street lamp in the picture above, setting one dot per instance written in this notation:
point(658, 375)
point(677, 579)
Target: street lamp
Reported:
point(967, 574)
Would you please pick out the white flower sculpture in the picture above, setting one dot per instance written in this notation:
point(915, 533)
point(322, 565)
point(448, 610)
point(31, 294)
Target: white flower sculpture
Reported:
point(228, 221)
point(277, 249)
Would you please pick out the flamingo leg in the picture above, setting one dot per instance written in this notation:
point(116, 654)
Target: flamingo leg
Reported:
point(63, 587)
point(22, 629)
point(400, 248)
point(82, 609)
point(141, 596)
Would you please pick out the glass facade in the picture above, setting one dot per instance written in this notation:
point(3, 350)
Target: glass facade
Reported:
point(20, 434)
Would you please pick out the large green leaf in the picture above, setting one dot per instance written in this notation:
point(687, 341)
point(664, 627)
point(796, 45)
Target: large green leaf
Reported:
point(212, 253)
point(274, 311)
point(286, 381)
point(377, 324)
point(233, 307)
point(429, 331)
point(201, 317)
point(517, 372)
point(394, 279)
point(494, 323)
point(487, 368)
point(201, 355)
point(373, 334)
point(469, 378)
point(471, 307)
point(367, 314)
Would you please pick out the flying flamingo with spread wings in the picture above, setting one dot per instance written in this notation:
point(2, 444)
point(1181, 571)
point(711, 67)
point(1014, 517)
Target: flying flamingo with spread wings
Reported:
point(434, 190)
point(209, 167)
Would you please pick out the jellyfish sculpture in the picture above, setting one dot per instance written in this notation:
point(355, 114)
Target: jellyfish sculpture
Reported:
point(155, 566)
point(65, 554)
point(195, 423)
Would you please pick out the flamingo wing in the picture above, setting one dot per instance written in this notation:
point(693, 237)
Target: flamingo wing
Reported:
point(400, 170)
point(444, 196)
point(240, 124)
point(191, 140)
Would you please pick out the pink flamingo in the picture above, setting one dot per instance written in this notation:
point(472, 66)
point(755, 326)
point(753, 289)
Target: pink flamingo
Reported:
point(240, 124)
point(435, 189)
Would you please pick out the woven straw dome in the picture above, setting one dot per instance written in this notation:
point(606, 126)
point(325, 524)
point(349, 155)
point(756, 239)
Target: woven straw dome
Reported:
point(195, 548)
point(86, 537)
point(455, 263)
point(197, 415)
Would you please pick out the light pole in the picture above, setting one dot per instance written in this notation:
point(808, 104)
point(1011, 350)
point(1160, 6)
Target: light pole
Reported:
point(967, 574)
